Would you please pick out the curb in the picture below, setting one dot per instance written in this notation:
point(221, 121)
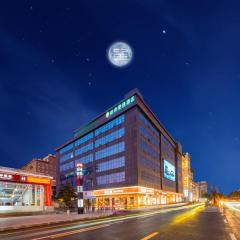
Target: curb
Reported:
point(3, 230)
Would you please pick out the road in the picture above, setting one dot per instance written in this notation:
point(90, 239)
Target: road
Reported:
point(231, 214)
point(183, 223)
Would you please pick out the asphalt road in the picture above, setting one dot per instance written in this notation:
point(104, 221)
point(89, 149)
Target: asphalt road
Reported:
point(183, 223)
point(231, 215)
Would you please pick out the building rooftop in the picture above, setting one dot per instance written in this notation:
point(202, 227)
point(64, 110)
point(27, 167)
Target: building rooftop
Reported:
point(21, 172)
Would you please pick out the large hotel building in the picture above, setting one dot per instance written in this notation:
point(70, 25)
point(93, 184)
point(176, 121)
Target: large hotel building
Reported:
point(130, 158)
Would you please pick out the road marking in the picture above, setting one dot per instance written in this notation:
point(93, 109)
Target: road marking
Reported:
point(232, 236)
point(150, 236)
point(72, 232)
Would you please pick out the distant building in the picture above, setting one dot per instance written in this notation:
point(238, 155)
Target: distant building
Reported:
point(46, 166)
point(195, 191)
point(131, 158)
point(187, 175)
point(203, 188)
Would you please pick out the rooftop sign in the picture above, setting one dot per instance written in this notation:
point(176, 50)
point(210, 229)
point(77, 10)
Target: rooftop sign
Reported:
point(120, 106)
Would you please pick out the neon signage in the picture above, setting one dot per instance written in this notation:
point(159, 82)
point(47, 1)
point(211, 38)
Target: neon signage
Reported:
point(120, 106)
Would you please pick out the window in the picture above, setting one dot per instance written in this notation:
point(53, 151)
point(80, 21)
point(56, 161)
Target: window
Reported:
point(146, 148)
point(83, 139)
point(110, 137)
point(66, 157)
point(84, 149)
point(149, 136)
point(117, 121)
point(114, 149)
point(150, 178)
point(85, 159)
point(149, 125)
point(112, 164)
point(150, 164)
point(167, 149)
point(67, 148)
point(66, 166)
point(111, 178)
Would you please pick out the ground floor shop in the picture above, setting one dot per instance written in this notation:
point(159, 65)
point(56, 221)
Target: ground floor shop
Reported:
point(130, 197)
point(21, 191)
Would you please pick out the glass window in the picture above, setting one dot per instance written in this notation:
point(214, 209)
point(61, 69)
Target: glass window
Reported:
point(67, 148)
point(66, 166)
point(112, 164)
point(66, 157)
point(111, 178)
point(149, 136)
point(117, 121)
point(146, 148)
point(84, 149)
point(85, 159)
point(114, 149)
point(110, 137)
point(83, 139)
point(149, 125)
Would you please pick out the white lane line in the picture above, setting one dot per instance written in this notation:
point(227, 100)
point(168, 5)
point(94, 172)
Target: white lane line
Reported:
point(67, 233)
point(232, 236)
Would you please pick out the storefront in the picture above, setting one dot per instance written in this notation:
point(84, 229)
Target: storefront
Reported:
point(130, 197)
point(21, 191)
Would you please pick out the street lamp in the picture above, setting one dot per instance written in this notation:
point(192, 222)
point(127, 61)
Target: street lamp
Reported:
point(79, 173)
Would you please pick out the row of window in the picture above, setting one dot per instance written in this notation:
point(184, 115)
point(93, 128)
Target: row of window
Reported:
point(76, 143)
point(110, 137)
point(83, 139)
point(150, 164)
point(150, 178)
point(67, 148)
point(84, 149)
point(85, 159)
point(149, 136)
point(167, 148)
point(115, 122)
point(111, 178)
point(149, 125)
point(66, 157)
point(149, 150)
point(114, 149)
point(112, 164)
point(66, 166)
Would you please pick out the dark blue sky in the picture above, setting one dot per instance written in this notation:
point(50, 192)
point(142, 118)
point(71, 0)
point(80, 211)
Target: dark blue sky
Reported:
point(54, 75)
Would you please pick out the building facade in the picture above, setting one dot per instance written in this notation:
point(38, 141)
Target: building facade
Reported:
point(21, 191)
point(129, 158)
point(187, 175)
point(46, 166)
point(203, 188)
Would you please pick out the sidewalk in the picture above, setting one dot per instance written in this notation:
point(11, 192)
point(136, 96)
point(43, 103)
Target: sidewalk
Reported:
point(41, 220)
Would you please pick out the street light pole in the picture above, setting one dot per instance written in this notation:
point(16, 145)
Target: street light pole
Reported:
point(79, 173)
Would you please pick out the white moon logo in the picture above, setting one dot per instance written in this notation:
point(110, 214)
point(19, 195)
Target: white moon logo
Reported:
point(120, 54)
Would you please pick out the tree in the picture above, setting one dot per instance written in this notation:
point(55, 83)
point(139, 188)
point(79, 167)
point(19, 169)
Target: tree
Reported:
point(235, 194)
point(67, 195)
point(216, 196)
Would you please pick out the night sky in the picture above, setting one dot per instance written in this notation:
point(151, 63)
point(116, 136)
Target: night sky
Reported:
point(55, 76)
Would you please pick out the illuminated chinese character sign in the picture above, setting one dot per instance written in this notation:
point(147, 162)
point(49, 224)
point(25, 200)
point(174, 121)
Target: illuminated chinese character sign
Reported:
point(169, 171)
point(120, 106)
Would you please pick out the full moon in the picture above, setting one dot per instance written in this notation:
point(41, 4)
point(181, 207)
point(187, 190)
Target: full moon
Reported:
point(120, 54)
